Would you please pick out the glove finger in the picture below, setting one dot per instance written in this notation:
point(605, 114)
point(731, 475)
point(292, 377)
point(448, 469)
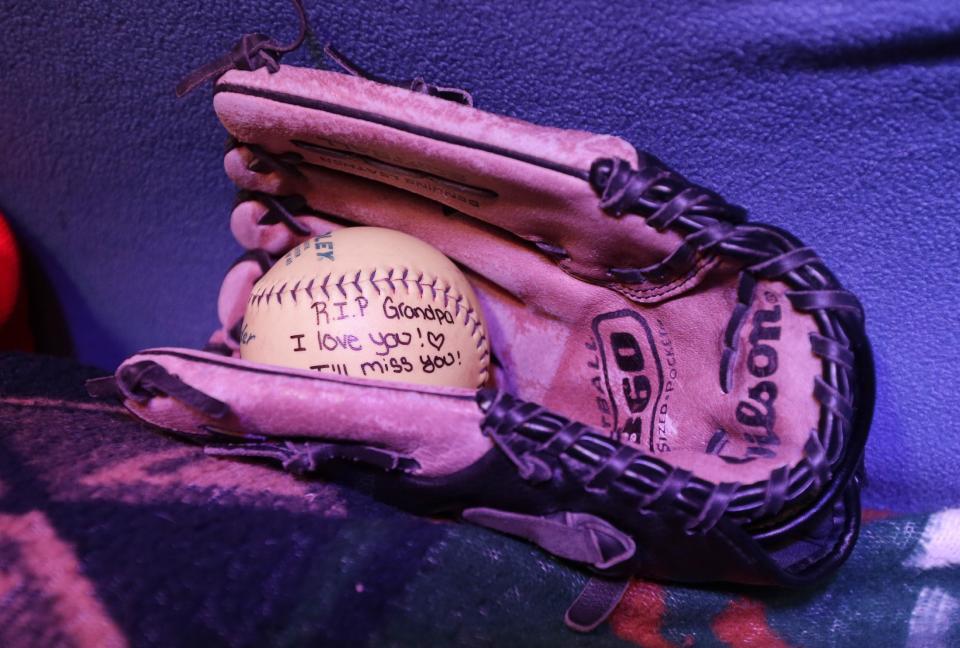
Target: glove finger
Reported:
point(333, 197)
point(195, 393)
point(232, 299)
point(531, 181)
point(262, 222)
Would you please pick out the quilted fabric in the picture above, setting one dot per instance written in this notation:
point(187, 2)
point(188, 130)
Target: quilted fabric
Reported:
point(124, 536)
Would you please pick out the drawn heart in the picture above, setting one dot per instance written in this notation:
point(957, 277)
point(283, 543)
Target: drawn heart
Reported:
point(435, 339)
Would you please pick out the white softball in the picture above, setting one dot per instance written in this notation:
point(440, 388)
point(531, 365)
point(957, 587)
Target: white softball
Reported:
point(368, 302)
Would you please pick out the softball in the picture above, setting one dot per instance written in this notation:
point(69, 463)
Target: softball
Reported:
point(368, 302)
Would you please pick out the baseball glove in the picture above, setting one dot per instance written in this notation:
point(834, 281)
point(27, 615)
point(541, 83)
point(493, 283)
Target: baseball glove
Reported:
point(674, 392)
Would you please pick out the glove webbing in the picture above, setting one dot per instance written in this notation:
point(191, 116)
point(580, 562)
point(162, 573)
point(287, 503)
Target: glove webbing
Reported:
point(710, 225)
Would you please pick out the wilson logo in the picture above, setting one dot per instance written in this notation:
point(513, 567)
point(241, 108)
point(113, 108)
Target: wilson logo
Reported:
point(629, 383)
point(759, 411)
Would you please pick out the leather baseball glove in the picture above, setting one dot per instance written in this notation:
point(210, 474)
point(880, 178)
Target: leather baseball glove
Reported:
point(675, 392)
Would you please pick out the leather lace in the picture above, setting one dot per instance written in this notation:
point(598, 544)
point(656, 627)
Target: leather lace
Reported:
point(710, 226)
point(538, 441)
point(251, 52)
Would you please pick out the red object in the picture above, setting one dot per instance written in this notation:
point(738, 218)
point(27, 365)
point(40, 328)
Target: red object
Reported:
point(14, 331)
